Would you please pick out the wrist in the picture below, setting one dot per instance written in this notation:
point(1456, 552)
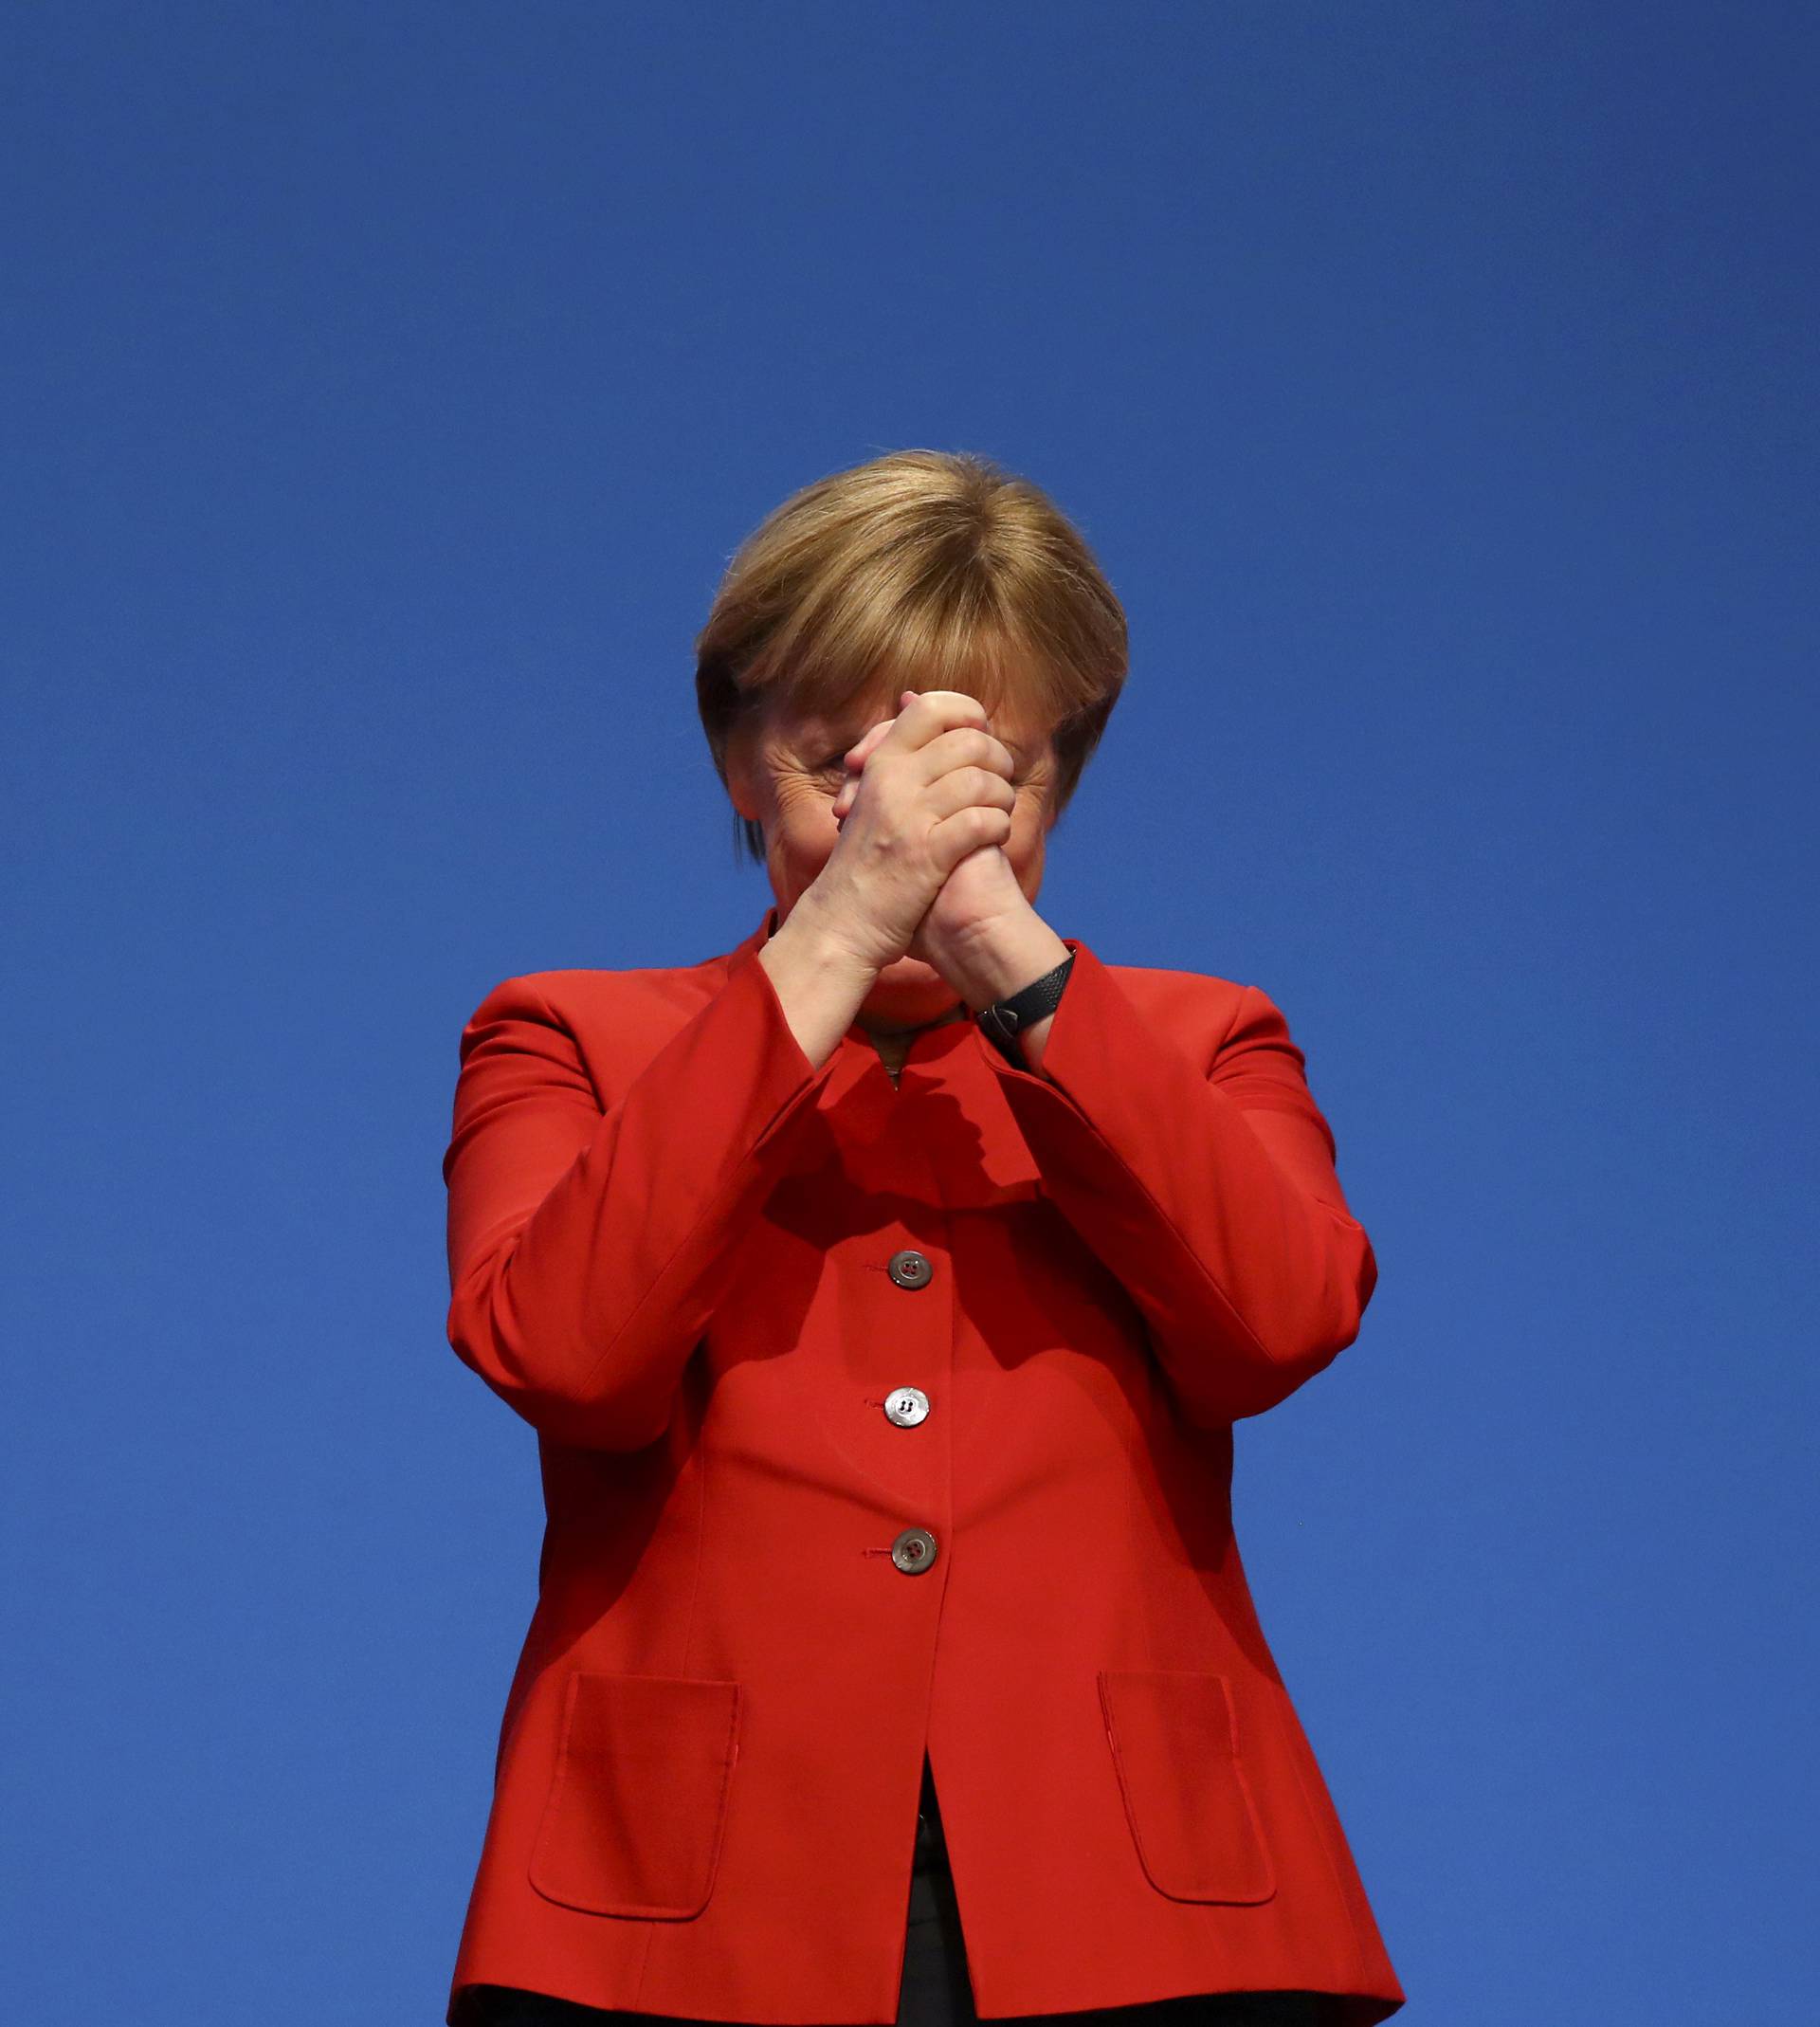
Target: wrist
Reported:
point(1001, 956)
point(813, 929)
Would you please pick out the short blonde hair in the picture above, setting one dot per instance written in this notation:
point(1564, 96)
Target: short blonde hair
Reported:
point(918, 570)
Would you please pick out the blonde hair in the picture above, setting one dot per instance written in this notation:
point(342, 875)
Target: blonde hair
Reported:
point(918, 570)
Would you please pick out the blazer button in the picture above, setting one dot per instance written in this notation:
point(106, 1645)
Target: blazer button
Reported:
point(914, 1550)
point(910, 1268)
point(906, 1406)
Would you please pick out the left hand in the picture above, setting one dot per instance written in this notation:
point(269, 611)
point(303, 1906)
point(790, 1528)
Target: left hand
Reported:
point(981, 889)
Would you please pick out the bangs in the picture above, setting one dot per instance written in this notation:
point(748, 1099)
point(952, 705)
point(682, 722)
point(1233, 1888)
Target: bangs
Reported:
point(859, 652)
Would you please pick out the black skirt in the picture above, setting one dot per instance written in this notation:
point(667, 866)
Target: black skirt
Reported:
point(936, 1991)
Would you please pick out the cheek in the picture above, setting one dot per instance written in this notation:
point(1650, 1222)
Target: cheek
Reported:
point(1028, 826)
point(806, 826)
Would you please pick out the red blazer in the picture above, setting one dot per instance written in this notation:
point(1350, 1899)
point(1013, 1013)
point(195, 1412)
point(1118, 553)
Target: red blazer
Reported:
point(874, 1419)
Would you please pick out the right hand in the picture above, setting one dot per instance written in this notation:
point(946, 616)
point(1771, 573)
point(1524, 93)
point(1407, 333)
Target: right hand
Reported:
point(934, 787)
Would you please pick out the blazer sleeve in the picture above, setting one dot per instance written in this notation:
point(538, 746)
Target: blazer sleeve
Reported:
point(1209, 1192)
point(588, 1248)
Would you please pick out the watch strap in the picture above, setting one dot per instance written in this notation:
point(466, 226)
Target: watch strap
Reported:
point(1005, 1019)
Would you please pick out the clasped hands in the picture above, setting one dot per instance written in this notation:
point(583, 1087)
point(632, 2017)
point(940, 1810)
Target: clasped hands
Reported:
point(979, 930)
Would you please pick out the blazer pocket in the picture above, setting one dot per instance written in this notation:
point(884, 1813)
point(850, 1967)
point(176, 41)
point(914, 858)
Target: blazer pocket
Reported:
point(1175, 1739)
point(638, 1800)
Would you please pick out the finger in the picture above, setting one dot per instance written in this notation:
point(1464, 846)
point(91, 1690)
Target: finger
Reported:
point(855, 759)
point(856, 755)
point(926, 714)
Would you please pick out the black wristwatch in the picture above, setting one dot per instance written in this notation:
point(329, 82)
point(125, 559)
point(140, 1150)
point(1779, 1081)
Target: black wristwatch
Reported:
point(1005, 1019)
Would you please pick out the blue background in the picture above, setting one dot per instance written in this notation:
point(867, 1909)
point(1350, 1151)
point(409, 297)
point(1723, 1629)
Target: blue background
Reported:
point(386, 386)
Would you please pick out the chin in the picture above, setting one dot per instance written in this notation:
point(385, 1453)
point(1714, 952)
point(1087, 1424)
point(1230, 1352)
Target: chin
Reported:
point(904, 981)
point(907, 989)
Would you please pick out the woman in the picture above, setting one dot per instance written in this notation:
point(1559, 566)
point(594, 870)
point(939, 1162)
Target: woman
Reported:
point(884, 1292)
